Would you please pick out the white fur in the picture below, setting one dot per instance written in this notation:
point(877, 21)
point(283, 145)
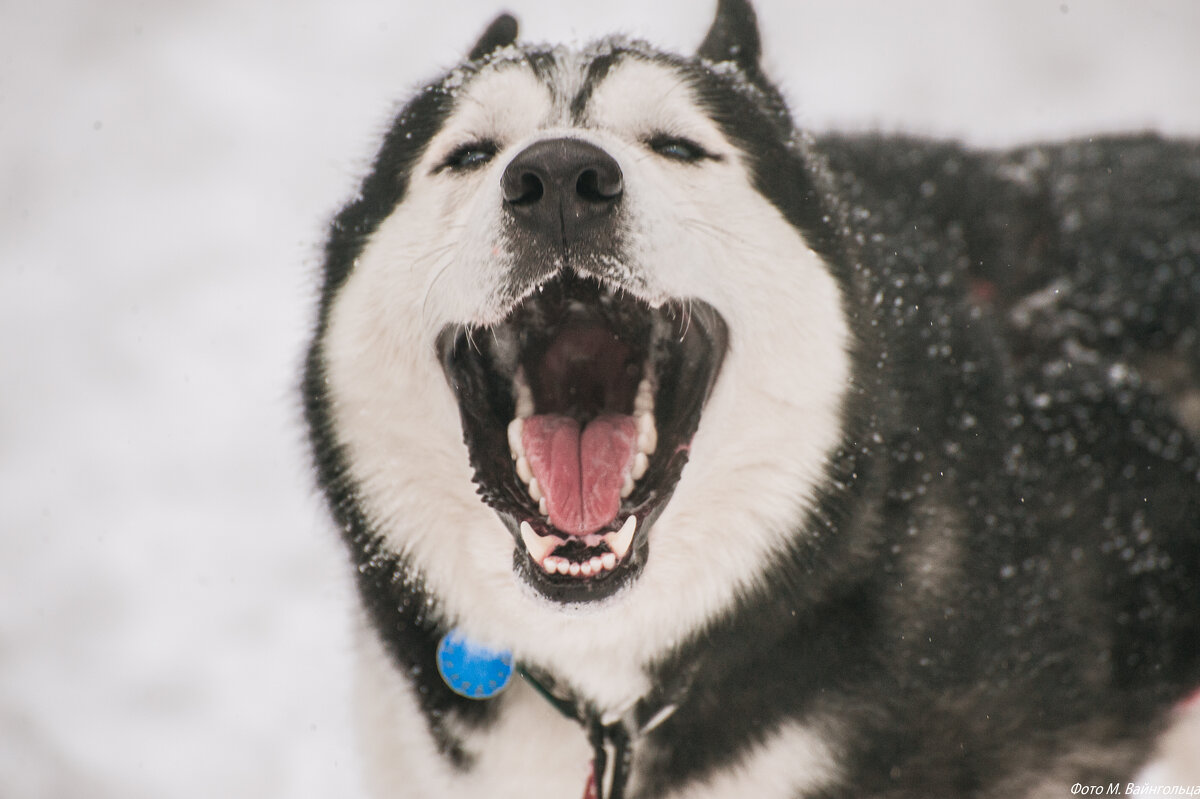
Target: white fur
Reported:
point(793, 761)
point(530, 753)
point(701, 231)
point(1176, 761)
point(534, 753)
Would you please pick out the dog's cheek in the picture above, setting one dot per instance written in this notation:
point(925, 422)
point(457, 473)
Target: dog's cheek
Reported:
point(702, 232)
point(429, 280)
point(670, 238)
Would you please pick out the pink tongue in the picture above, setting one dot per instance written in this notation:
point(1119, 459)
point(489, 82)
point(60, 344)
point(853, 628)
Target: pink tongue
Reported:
point(580, 475)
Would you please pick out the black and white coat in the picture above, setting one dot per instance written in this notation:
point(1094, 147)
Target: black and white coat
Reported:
point(935, 535)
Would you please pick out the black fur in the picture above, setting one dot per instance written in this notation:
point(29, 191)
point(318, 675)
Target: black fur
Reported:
point(1073, 619)
point(501, 33)
point(733, 36)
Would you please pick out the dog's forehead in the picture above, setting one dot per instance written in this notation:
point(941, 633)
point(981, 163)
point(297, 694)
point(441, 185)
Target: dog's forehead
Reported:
point(610, 87)
point(648, 97)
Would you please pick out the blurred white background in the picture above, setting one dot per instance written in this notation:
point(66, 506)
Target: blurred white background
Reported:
point(175, 611)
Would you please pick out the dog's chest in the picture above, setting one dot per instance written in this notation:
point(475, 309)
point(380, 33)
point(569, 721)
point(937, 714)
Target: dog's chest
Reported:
point(535, 752)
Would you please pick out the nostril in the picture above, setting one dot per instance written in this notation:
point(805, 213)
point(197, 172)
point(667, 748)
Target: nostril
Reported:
point(556, 184)
point(523, 188)
point(598, 185)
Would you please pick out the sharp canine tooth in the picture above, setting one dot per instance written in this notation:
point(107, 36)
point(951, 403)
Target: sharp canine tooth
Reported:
point(523, 396)
point(523, 470)
point(647, 433)
point(535, 490)
point(645, 421)
point(537, 546)
point(644, 400)
point(641, 462)
point(620, 541)
point(515, 445)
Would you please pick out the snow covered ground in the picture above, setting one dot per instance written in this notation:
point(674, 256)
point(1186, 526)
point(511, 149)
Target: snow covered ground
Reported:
point(175, 615)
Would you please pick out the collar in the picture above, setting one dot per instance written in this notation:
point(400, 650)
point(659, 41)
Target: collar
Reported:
point(478, 672)
point(612, 735)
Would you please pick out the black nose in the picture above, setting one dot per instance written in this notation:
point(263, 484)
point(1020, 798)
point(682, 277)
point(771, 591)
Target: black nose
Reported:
point(562, 187)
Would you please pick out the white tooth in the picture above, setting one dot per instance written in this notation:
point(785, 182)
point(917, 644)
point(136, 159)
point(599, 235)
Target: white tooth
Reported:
point(538, 546)
point(564, 565)
point(515, 445)
point(543, 508)
point(647, 433)
point(644, 400)
point(641, 462)
point(645, 421)
point(627, 486)
point(574, 569)
point(524, 397)
point(535, 490)
point(550, 564)
point(523, 470)
point(586, 568)
point(597, 565)
point(609, 561)
point(648, 441)
point(620, 541)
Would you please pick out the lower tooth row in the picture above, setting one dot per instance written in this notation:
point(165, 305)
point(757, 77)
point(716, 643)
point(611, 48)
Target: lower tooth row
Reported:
point(539, 548)
point(598, 564)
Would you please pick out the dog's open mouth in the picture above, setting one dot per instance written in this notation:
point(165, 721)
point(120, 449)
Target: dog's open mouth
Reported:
point(578, 412)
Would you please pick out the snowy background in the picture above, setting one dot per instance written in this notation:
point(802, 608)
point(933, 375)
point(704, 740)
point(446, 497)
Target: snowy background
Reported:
point(175, 613)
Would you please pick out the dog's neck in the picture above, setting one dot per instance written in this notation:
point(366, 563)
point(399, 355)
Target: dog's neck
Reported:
point(613, 735)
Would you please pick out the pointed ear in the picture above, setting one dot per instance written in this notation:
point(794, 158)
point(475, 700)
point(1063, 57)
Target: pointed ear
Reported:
point(733, 37)
point(501, 33)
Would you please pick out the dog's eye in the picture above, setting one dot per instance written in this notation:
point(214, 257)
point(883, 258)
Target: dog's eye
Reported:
point(469, 156)
point(677, 149)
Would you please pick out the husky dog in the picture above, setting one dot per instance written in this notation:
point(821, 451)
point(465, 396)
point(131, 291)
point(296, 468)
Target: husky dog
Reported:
point(772, 466)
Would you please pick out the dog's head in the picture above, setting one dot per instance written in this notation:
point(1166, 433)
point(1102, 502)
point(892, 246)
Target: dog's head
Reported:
point(577, 345)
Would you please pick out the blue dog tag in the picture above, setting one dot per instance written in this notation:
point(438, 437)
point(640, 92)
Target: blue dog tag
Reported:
point(472, 670)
